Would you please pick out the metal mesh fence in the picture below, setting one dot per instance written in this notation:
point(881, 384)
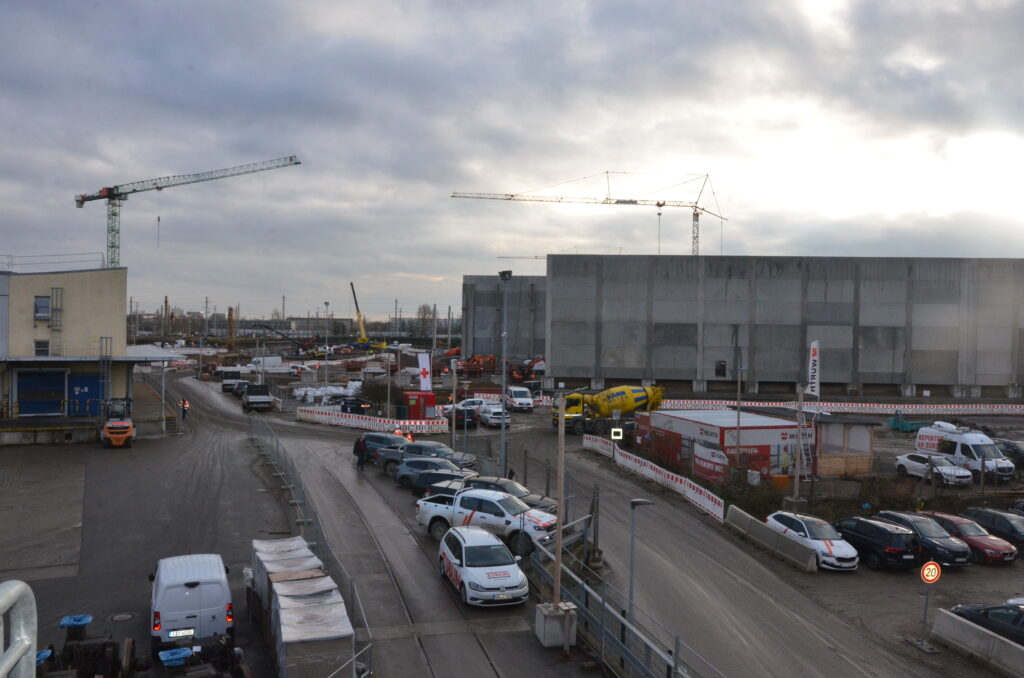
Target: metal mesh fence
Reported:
point(310, 527)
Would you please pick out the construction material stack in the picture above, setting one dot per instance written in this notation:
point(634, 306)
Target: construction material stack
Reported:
point(298, 608)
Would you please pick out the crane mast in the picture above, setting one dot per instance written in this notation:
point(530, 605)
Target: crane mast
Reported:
point(362, 339)
point(115, 195)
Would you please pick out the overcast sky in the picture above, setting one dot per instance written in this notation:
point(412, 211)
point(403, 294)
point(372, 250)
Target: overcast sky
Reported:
point(826, 127)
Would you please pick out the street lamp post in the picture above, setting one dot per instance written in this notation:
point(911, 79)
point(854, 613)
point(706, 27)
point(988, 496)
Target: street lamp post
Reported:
point(505, 277)
point(633, 504)
point(327, 332)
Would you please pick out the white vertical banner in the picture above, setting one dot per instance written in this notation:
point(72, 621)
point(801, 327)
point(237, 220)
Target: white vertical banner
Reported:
point(424, 372)
point(813, 370)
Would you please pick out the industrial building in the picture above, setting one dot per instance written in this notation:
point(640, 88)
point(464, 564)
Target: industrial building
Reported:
point(482, 298)
point(62, 342)
point(886, 326)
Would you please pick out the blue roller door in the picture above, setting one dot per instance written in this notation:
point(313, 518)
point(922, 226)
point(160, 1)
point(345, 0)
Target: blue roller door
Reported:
point(41, 392)
point(84, 395)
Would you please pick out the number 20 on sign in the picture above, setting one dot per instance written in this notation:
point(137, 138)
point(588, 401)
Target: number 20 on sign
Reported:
point(930, 572)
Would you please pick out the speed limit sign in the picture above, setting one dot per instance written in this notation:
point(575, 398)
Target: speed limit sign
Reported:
point(930, 572)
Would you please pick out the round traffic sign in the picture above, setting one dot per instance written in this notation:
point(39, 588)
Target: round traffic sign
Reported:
point(930, 572)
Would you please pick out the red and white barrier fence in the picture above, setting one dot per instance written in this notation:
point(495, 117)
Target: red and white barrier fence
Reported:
point(700, 497)
point(320, 415)
point(856, 408)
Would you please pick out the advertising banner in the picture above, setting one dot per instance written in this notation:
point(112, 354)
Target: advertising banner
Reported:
point(813, 371)
point(710, 464)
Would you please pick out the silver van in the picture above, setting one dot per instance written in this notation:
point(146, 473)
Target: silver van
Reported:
point(191, 599)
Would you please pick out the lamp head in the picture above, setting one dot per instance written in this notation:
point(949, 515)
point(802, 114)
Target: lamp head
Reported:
point(633, 503)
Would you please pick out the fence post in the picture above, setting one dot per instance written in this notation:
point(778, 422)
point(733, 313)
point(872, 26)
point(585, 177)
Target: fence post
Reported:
point(547, 478)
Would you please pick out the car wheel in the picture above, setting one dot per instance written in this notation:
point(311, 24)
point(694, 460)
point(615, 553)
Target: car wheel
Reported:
point(405, 482)
point(389, 467)
point(872, 560)
point(901, 471)
point(976, 557)
point(464, 593)
point(520, 544)
point(438, 528)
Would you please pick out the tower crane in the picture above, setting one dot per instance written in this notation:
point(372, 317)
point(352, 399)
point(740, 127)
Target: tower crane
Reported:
point(115, 195)
point(608, 200)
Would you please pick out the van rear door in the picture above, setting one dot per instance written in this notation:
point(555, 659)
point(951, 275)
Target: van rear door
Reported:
point(214, 597)
point(178, 606)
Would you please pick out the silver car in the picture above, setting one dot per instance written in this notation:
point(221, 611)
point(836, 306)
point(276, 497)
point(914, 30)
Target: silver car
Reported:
point(935, 466)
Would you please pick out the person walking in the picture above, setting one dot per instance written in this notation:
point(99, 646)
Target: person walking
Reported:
point(360, 453)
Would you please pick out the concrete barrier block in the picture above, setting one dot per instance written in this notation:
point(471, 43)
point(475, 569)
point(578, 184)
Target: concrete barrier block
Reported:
point(998, 653)
point(796, 554)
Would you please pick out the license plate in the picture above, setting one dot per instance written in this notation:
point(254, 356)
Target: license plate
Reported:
point(501, 596)
point(179, 633)
point(908, 557)
point(961, 560)
point(1007, 557)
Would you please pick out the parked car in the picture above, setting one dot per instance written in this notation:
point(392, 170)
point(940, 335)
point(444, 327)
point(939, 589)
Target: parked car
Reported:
point(880, 544)
point(1004, 620)
point(1012, 450)
point(531, 499)
point(375, 441)
point(467, 404)
point(833, 552)
point(423, 481)
point(238, 390)
point(463, 417)
point(495, 416)
point(929, 466)
point(985, 548)
point(938, 544)
point(1003, 524)
point(405, 473)
point(481, 568)
point(389, 457)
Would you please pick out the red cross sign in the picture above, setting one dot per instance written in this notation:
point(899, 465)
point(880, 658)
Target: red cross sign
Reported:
point(424, 373)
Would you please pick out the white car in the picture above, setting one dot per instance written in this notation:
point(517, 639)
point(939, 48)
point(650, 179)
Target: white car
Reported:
point(474, 404)
point(933, 465)
point(833, 552)
point(495, 415)
point(481, 568)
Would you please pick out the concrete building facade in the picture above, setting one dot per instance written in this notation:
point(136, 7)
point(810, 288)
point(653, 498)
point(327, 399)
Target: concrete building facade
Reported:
point(886, 326)
point(63, 342)
point(481, 316)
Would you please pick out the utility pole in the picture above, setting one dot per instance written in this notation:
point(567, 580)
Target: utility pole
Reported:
point(433, 345)
point(449, 327)
point(283, 316)
point(505, 277)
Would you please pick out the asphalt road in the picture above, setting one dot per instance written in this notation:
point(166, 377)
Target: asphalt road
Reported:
point(120, 510)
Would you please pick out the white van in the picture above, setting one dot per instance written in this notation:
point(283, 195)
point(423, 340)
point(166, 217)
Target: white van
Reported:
point(518, 399)
point(965, 448)
point(191, 599)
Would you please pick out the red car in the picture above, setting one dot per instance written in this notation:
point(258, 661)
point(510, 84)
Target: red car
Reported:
point(986, 548)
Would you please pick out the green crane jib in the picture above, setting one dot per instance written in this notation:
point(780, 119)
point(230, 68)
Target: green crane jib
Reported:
point(115, 195)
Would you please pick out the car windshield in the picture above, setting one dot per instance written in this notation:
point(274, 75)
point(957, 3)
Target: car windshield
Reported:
point(941, 461)
point(930, 528)
point(821, 530)
point(445, 465)
point(987, 451)
point(1016, 521)
point(513, 505)
point(513, 488)
point(491, 555)
point(971, 529)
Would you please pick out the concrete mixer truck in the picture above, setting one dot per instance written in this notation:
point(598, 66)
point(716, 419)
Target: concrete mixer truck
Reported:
point(594, 413)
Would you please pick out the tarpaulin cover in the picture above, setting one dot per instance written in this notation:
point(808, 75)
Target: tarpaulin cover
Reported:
point(272, 545)
point(313, 640)
point(305, 588)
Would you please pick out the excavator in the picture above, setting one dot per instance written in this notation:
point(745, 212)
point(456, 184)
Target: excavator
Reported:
point(363, 342)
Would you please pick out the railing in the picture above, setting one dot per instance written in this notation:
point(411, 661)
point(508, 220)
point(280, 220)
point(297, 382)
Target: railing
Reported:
point(637, 647)
point(307, 518)
point(18, 605)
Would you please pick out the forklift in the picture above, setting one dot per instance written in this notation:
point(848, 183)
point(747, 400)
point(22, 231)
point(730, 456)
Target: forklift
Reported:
point(116, 428)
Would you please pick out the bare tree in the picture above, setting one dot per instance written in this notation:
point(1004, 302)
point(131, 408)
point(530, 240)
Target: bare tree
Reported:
point(424, 316)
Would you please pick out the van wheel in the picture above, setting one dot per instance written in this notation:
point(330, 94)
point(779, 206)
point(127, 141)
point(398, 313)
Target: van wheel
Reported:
point(901, 471)
point(438, 527)
point(872, 560)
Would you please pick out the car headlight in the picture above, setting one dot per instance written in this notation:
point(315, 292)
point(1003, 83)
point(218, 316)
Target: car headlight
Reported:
point(476, 587)
point(990, 552)
point(539, 528)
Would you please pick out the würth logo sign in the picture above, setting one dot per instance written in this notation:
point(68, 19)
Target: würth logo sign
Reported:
point(813, 370)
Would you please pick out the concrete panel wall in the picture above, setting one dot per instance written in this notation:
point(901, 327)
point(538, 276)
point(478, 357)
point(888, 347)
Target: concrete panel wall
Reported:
point(527, 315)
point(902, 322)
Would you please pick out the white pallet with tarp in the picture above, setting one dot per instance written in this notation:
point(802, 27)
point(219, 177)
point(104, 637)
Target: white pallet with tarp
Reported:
point(312, 641)
point(292, 594)
point(293, 552)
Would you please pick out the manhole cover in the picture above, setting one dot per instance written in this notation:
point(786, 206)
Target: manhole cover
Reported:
point(121, 617)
